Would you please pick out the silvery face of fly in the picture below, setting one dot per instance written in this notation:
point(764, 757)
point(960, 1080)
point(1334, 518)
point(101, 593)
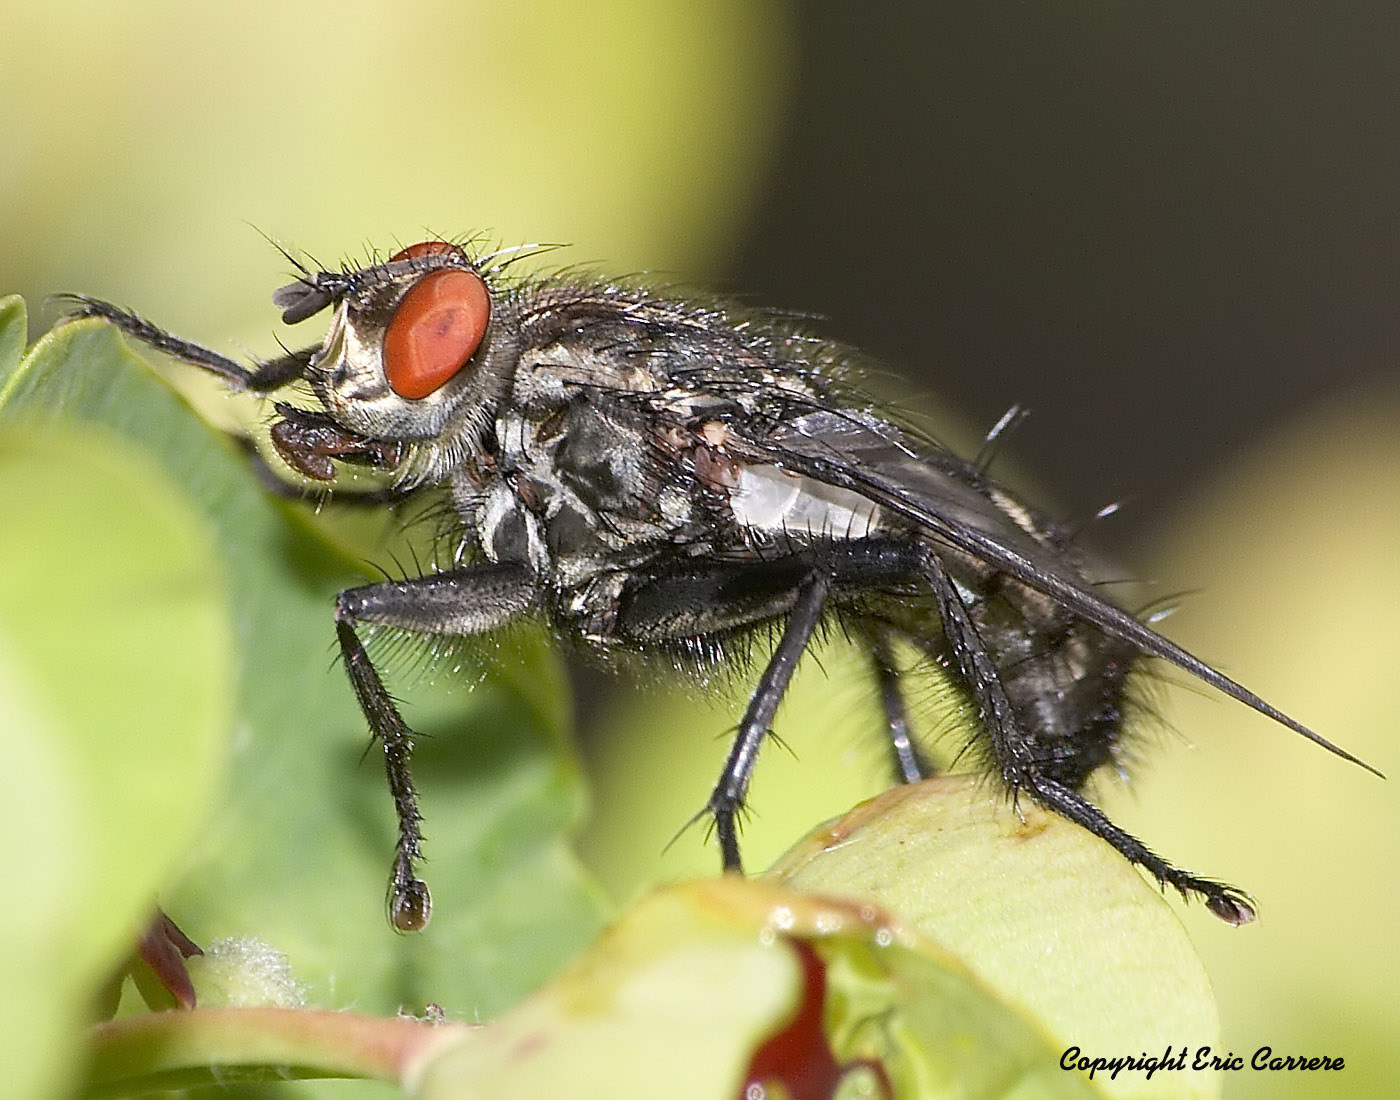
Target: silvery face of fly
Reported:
point(655, 476)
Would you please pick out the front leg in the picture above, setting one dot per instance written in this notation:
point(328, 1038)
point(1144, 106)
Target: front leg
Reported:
point(458, 602)
point(308, 440)
point(266, 376)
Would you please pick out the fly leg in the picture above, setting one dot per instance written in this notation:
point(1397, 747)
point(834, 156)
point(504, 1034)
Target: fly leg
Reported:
point(728, 797)
point(264, 377)
point(457, 602)
point(910, 763)
point(701, 605)
point(306, 440)
point(273, 479)
point(1021, 770)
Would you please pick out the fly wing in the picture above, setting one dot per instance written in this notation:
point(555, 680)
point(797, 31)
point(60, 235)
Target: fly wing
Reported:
point(931, 487)
point(946, 498)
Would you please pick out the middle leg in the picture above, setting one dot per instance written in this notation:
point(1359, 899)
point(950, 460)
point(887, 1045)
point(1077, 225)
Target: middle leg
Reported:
point(728, 797)
point(694, 607)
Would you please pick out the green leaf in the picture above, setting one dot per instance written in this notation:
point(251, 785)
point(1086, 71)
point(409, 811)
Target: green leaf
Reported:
point(1051, 917)
point(679, 996)
point(708, 989)
point(114, 644)
point(703, 990)
point(297, 847)
point(13, 327)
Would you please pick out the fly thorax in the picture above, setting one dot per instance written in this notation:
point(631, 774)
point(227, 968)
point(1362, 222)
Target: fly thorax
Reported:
point(598, 477)
point(507, 529)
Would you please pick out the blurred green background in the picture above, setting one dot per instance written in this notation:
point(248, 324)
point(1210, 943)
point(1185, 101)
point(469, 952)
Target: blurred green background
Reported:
point(1169, 230)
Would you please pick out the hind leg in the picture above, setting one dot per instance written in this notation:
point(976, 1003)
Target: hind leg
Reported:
point(1022, 771)
point(910, 763)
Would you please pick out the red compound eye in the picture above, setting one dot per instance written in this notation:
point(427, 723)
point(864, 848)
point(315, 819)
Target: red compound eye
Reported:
point(436, 329)
point(426, 248)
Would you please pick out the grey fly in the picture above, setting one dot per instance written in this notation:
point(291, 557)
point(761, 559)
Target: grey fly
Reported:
point(654, 476)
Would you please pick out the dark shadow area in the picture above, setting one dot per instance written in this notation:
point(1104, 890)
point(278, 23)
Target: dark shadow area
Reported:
point(1164, 228)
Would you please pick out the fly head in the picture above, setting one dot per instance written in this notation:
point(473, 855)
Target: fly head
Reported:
point(420, 350)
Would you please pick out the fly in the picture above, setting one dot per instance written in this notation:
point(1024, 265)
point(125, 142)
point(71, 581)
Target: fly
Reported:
point(656, 476)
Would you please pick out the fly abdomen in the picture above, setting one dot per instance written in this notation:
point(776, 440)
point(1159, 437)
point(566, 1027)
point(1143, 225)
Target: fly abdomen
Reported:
point(768, 501)
point(1066, 680)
